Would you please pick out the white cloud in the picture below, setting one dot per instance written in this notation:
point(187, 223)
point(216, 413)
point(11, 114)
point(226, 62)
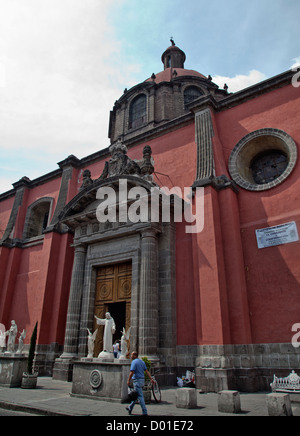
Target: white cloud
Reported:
point(240, 81)
point(61, 69)
point(6, 183)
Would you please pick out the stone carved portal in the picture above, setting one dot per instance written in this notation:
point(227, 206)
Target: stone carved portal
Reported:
point(113, 295)
point(125, 268)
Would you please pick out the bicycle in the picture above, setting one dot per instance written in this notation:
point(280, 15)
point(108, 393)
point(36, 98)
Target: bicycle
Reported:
point(156, 390)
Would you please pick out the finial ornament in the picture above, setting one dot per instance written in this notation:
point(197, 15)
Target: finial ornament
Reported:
point(172, 41)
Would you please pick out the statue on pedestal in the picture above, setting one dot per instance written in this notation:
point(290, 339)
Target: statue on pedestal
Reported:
point(2, 338)
point(21, 342)
point(109, 331)
point(124, 346)
point(91, 343)
point(12, 334)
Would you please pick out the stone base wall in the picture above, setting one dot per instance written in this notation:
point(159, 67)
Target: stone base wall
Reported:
point(45, 357)
point(12, 367)
point(247, 368)
point(101, 379)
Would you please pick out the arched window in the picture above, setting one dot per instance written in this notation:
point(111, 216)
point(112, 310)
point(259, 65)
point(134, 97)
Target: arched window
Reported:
point(138, 112)
point(191, 94)
point(37, 218)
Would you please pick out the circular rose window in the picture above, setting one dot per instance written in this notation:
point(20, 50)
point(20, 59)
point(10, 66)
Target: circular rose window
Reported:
point(268, 166)
point(263, 159)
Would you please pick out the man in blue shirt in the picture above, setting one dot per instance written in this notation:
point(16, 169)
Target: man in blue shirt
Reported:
point(137, 374)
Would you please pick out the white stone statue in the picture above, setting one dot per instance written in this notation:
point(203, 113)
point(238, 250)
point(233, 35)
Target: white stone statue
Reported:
point(21, 342)
point(12, 334)
point(124, 347)
point(91, 343)
point(109, 331)
point(2, 337)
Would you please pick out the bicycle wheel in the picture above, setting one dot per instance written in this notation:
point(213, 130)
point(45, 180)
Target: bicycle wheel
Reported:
point(156, 392)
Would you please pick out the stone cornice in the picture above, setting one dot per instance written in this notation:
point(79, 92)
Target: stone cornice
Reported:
point(204, 102)
point(246, 94)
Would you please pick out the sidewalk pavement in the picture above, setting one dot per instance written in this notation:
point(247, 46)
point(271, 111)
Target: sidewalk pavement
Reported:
point(52, 398)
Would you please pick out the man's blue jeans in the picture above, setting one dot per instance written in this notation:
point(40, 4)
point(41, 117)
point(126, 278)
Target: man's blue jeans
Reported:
point(138, 386)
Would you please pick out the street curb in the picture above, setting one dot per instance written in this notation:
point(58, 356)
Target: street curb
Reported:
point(28, 409)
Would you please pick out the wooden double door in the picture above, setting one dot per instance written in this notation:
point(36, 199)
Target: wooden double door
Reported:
point(113, 295)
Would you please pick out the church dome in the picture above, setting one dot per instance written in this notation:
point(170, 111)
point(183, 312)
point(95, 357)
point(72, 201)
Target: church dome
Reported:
point(170, 73)
point(163, 97)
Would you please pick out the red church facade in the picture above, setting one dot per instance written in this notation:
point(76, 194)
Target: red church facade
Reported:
point(227, 297)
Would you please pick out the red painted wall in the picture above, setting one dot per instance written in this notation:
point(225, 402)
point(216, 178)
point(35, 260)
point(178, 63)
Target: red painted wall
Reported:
point(5, 211)
point(272, 274)
point(35, 280)
point(228, 291)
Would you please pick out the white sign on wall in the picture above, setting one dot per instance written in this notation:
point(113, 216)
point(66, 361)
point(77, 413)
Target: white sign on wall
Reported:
point(278, 235)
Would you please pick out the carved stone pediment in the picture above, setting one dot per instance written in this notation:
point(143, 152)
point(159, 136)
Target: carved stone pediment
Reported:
point(83, 206)
point(121, 165)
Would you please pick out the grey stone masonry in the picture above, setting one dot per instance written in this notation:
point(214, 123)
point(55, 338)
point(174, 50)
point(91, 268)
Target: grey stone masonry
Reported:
point(148, 320)
point(12, 367)
point(150, 248)
point(229, 402)
point(245, 367)
point(18, 201)
point(67, 167)
point(74, 308)
point(186, 398)
point(97, 379)
point(279, 405)
point(204, 135)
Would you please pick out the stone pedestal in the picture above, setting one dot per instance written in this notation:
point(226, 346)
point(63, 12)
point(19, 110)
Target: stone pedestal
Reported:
point(101, 379)
point(12, 367)
point(106, 356)
point(186, 398)
point(279, 405)
point(229, 402)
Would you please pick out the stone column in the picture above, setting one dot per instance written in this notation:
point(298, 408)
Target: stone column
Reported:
point(148, 313)
point(74, 307)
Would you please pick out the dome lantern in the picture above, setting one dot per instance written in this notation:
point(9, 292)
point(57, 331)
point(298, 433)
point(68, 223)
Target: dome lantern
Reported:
point(173, 57)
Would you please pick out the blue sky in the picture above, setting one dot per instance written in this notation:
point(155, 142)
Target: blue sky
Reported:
point(63, 63)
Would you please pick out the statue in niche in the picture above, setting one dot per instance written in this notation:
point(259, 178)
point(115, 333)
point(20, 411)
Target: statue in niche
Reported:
point(109, 331)
point(21, 342)
point(91, 343)
point(124, 343)
point(12, 334)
